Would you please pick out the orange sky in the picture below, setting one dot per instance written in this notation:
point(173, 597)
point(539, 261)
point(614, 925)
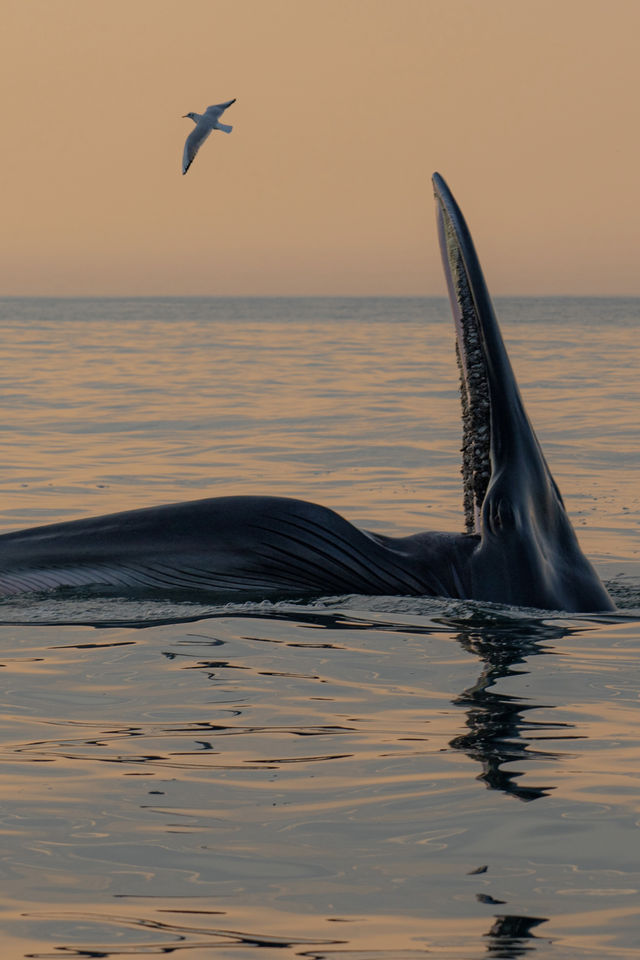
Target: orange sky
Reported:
point(529, 108)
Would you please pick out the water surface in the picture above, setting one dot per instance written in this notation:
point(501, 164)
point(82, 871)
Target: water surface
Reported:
point(355, 778)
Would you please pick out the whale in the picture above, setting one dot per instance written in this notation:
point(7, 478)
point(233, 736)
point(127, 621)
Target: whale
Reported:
point(517, 545)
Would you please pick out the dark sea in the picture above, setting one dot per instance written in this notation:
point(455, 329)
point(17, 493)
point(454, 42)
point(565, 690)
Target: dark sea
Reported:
point(358, 778)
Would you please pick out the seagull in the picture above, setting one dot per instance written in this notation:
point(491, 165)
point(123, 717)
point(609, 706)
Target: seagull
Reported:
point(204, 124)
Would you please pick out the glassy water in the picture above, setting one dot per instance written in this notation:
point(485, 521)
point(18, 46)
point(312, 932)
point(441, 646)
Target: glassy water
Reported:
point(352, 779)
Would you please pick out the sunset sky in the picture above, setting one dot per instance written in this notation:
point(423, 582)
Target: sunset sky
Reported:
point(529, 109)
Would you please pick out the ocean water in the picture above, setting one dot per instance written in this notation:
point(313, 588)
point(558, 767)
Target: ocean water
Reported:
point(360, 778)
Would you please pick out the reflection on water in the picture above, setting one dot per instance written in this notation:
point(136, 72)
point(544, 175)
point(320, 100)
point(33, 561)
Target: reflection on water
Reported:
point(511, 936)
point(498, 731)
point(338, 780)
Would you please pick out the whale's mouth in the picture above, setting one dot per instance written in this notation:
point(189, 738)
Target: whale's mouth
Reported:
point(475, 399)
point(476, 425)
point(471, 354)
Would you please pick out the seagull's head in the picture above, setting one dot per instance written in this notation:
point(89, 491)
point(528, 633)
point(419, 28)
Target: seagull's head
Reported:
point(191, 116)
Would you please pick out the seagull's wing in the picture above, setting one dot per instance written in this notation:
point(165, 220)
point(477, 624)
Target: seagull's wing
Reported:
point(217, 109)
point(193, 143)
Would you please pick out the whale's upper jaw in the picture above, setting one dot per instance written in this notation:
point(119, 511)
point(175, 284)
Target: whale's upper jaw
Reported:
point(528, 552)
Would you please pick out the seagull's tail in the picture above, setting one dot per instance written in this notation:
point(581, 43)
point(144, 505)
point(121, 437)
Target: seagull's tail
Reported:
point(225, 127)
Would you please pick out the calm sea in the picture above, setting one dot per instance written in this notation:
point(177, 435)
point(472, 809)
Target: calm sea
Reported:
point(355, 779)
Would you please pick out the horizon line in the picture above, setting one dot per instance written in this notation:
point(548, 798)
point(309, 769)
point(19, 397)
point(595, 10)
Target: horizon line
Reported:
point(308, 296)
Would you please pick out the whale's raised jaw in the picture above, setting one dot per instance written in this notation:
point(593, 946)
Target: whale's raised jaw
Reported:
point(528, 553)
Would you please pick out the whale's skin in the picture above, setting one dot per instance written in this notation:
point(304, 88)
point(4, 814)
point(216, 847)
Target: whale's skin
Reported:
point(519, 547)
